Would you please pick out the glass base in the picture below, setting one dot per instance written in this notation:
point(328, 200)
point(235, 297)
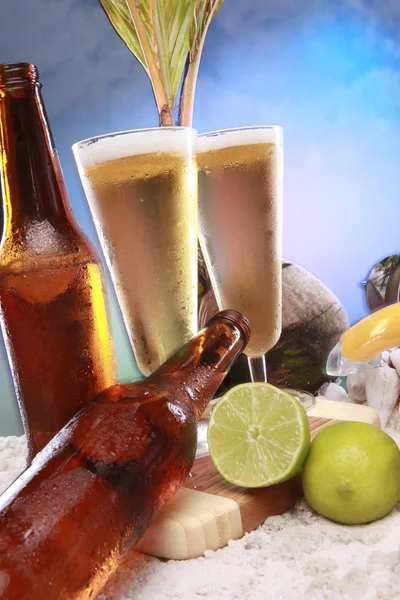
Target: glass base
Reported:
point(306, 399)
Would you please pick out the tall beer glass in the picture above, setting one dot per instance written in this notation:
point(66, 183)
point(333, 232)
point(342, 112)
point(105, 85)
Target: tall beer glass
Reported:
point(141, 187)
point(240, 224)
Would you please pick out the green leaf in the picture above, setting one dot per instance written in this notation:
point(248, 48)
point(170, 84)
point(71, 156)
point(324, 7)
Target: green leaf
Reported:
point(163, 35)
point(120, 18)
point(157, 32)
point(205, 11)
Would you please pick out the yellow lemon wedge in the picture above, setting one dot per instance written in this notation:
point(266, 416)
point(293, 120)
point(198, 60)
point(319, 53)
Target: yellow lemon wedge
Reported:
point(373, 334)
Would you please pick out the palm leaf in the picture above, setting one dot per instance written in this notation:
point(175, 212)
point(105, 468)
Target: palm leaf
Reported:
point(375, 299)
point(392, 292)
point(120, 18)
point(158, 33)
point(204, 12)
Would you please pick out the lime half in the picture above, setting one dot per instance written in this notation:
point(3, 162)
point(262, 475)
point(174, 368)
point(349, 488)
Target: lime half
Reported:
point(258, 435)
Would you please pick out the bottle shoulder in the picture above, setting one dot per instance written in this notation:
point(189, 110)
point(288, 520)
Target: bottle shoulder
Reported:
point(162, 403)
point(40, 246)
point(124, 422)
point(145, 393)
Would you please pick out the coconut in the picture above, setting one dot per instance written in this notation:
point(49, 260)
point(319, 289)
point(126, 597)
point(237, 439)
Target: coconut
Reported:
point(313, 320)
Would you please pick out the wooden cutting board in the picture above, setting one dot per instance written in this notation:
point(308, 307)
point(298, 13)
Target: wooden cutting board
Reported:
point(208, 511)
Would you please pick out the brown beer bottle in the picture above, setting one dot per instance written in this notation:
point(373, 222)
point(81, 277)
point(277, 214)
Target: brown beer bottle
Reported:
point(97, 486)
point(52, 302)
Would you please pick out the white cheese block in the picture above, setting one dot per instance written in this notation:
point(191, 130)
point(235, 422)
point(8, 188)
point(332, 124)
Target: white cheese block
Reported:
point(191, 523)
point(176, 535)
point(344, 411)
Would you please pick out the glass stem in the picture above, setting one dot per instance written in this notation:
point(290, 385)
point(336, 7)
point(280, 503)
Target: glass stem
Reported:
point(258, 369)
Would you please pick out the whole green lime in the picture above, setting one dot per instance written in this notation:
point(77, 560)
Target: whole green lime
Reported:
point(352, 473)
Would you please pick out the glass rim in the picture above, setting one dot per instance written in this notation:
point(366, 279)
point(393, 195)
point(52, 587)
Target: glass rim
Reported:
point(94, 139)
point(234, 129)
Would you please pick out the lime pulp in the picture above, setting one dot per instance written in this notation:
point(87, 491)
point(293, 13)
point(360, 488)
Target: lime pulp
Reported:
point(258, 435)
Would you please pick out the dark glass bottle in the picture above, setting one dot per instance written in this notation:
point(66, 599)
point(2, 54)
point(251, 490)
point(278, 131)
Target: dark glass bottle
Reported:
point(94, 490)
point(52, 301)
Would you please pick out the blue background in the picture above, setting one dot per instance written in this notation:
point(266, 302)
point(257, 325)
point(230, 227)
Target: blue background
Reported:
point(326, 70)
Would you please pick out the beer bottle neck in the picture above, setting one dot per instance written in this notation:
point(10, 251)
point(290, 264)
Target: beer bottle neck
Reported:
point(32, 182)
point(202, 364)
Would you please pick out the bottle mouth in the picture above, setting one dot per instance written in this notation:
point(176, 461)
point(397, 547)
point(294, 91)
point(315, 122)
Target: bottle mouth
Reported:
point(14, 74)
point(235, 317)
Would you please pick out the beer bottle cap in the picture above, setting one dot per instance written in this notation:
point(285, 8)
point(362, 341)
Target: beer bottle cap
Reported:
point(18, 73)
point(235, 317)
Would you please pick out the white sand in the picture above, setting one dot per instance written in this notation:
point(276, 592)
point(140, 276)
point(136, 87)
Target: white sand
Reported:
point(293, 556)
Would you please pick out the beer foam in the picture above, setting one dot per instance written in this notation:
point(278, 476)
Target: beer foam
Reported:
point(130, 143)
point(239, 137)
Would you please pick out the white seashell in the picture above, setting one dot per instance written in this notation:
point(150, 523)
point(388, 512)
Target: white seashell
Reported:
point(385, 356)
point(395, 359)
point(332, 391)
point(394, 421)
point(356, 387)
point(382, 387)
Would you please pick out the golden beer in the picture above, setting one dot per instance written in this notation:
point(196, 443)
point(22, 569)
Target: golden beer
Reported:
point(145, 210)
point(240, 207)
